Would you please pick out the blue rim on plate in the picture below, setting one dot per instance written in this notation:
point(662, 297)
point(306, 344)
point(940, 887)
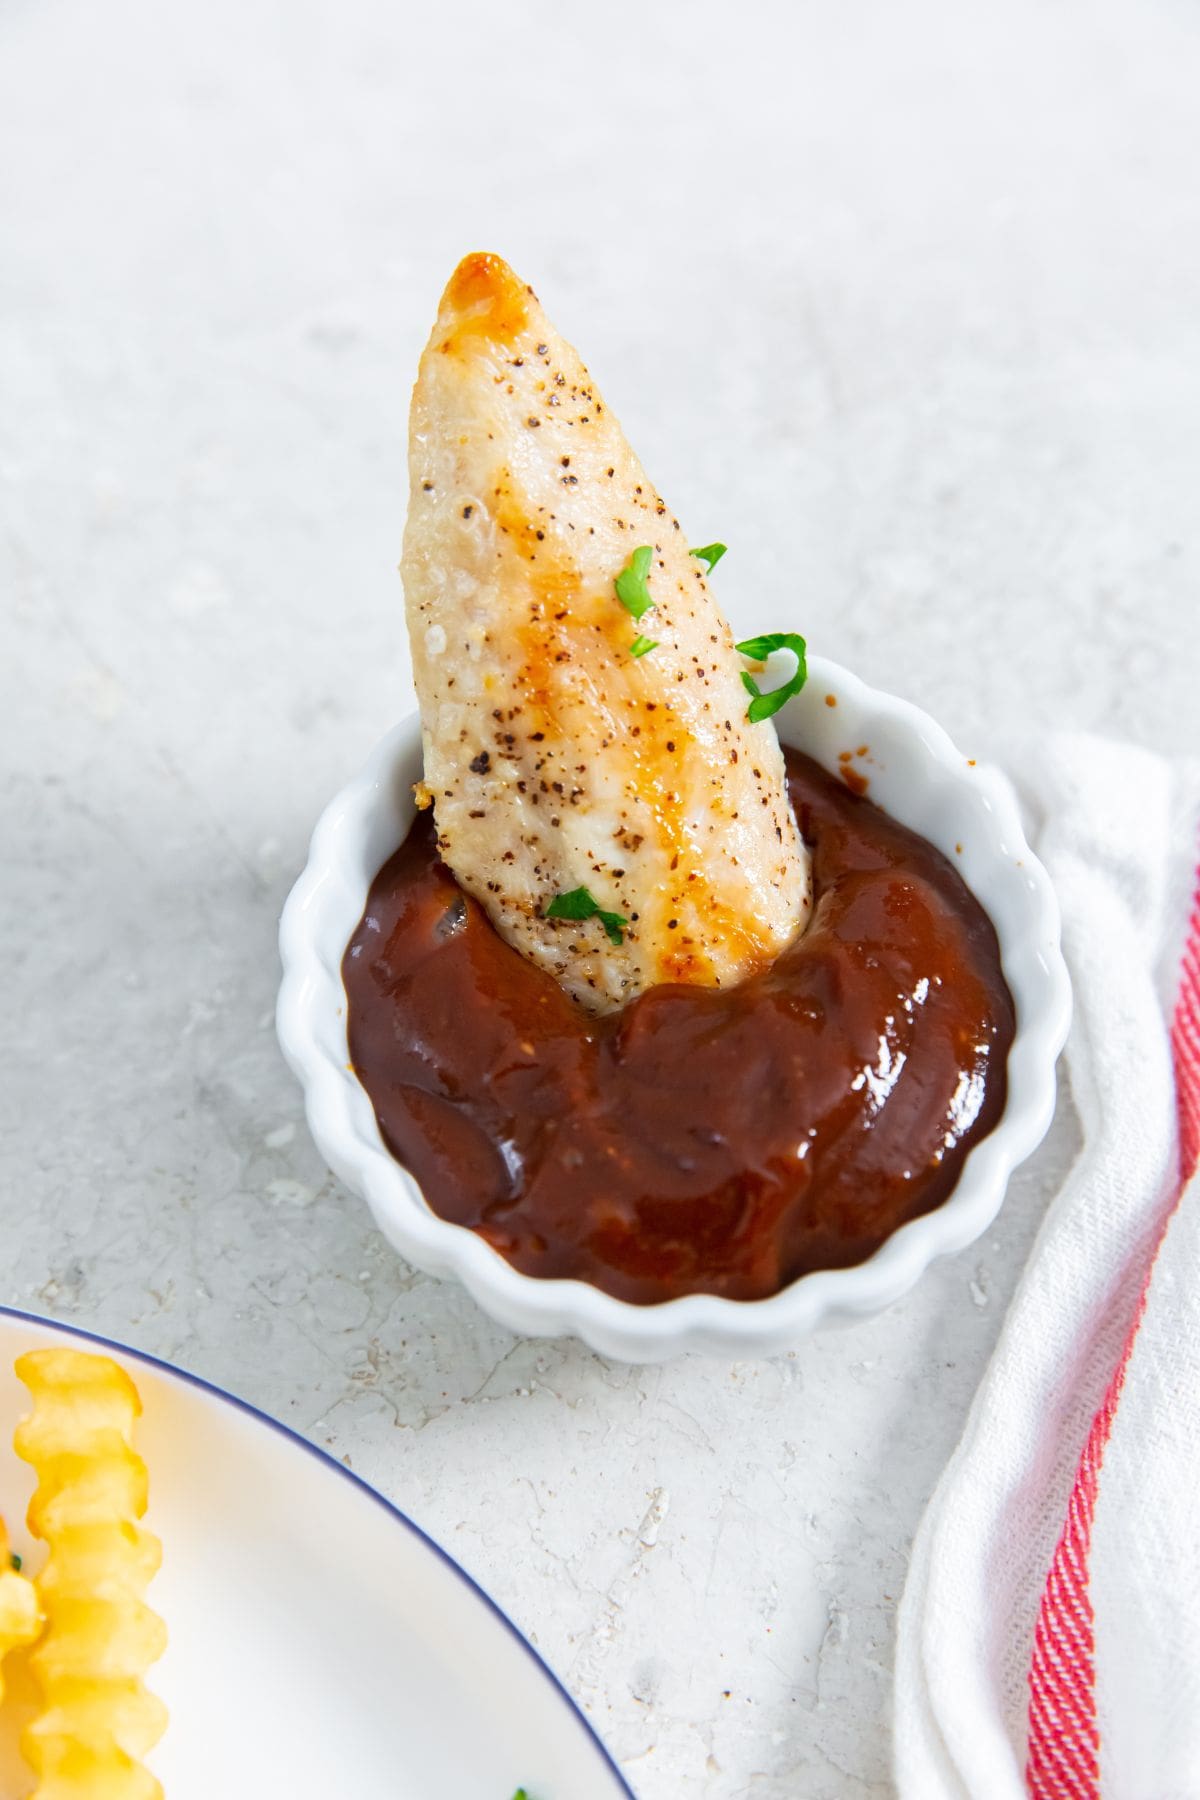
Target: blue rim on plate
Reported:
point(337, 1468)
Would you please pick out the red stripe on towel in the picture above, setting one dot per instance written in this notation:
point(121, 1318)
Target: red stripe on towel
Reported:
point(1064, 1741)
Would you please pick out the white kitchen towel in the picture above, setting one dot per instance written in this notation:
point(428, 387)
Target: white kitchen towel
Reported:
point(1049, 1633)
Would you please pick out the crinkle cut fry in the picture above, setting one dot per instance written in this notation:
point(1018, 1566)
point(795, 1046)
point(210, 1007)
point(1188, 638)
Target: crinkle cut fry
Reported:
point(20, 1611)
point(97, 1719)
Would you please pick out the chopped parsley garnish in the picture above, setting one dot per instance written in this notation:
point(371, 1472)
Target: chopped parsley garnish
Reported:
point(579, 904)
point(635, 596)
point(15, 1560)
point(712, 554)
point(758, 649)
point(630, 584)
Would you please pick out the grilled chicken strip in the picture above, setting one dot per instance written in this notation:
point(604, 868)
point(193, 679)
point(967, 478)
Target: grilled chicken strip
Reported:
point(554, 758)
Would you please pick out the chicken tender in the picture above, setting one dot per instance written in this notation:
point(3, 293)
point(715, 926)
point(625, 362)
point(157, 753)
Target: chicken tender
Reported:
point(587, 750)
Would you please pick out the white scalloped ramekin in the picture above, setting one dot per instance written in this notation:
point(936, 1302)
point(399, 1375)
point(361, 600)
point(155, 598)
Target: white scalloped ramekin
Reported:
point(916, 774)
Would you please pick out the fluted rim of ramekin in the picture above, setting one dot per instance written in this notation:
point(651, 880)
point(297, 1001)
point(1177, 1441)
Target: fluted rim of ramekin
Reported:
point(328, 900)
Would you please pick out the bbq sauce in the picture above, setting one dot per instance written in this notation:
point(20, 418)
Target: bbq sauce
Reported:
point(702, 1140)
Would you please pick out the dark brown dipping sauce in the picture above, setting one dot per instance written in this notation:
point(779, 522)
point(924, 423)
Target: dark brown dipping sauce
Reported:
point(701, 1140)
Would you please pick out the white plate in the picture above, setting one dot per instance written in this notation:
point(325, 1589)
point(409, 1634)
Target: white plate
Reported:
point(320, 1644)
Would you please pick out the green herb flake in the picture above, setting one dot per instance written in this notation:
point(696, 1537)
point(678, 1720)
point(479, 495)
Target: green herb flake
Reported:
point(758, 649)
point(579, 904)
point(630, 584)
point(15, 1560)
point(711, 554)
point(520, 1794)
point(640, 645)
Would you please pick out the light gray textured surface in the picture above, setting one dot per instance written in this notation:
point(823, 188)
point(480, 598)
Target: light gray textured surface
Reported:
point(901, 302)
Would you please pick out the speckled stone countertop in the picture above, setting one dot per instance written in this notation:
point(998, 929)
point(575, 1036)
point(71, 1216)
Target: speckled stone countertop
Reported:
point(904, 305)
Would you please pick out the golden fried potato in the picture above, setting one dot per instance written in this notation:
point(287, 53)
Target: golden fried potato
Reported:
point(97, 1719)
point(73, 1771)
point(20, 1611)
